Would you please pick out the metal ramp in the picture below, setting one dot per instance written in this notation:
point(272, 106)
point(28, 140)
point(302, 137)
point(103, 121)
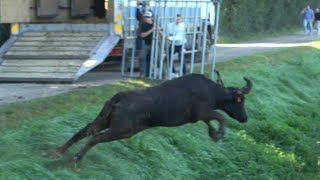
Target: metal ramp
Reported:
point(61, 56)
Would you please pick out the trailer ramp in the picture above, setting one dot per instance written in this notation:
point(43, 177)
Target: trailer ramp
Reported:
point(60, 56)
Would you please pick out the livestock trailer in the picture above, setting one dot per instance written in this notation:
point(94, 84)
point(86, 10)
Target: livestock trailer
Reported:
point(60, 40)
point(57, 40)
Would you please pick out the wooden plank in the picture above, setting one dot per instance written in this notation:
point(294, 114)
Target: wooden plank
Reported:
point(49, 53)
point(38, 75)
point(38, 80)
point(45, 55)
point(60, 39)
point(36, 69)
point(54, 43)
point(51, 48)
point(66, 34)
point(43, 62)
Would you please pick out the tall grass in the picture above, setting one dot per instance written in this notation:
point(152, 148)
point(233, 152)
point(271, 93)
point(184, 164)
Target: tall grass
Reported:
point(280, 141)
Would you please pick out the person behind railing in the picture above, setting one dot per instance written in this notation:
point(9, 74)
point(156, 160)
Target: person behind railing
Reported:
point(142, 8)
point(175, 34)
point(147, 29)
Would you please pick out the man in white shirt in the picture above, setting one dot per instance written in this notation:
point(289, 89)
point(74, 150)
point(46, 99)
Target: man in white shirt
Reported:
point(175, 33)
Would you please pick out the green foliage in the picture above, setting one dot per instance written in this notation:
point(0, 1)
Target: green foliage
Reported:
point(280, 140)
point(242, 19)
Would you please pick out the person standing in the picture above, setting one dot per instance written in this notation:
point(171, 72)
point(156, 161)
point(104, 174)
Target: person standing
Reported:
point(147, 29)
point(308, 19)
point(142, 7)
point(317, 19)
point(175, 33)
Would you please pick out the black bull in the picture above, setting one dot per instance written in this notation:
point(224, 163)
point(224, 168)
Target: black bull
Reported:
point(172, 103)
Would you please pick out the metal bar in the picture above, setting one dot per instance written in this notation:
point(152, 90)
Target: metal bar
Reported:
point(184, 36)
point(173, 44)
point(163, 40)
point(194, 38)
point(125, 34)
point(216, 28)
point(133, 53)
point(204, 43)
point(155, 47)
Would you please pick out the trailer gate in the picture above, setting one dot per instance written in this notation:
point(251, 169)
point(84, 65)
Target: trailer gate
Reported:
point(196, 15)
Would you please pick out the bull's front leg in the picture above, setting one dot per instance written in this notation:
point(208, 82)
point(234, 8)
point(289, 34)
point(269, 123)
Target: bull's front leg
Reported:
point(214, 134)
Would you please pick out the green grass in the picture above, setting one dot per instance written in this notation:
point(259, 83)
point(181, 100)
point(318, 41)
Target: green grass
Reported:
point(259, 35)
point(280, 141)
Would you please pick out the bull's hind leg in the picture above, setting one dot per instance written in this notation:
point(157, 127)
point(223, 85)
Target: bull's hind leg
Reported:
point(106, 136)
point(90, 129)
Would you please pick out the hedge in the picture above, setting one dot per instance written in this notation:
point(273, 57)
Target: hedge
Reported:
point(247, 17)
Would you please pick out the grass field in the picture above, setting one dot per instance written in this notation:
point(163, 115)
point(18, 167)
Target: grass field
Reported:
point(280, 141)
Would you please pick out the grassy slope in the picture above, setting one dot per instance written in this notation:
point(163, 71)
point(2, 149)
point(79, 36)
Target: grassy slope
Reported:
point(279, 141)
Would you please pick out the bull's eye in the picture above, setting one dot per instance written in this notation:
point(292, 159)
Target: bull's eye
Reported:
point(238, 100)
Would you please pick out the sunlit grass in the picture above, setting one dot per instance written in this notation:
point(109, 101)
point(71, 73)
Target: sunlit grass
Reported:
point(315, 44)
point(133, 83)
point(269, 148)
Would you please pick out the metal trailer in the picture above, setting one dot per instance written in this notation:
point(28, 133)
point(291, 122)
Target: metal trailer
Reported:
point(196, 15)
point(60, 40)
point(57, 40)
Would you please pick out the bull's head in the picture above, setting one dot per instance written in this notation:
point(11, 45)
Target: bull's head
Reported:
point(235, 107)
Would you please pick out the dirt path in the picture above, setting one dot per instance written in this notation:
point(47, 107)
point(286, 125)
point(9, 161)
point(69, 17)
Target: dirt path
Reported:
point(16, 92)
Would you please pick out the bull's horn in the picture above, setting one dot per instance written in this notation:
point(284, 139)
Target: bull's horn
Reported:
point(247, 88)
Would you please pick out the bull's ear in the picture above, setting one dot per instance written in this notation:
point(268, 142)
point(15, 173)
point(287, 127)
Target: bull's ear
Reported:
point(247, 88)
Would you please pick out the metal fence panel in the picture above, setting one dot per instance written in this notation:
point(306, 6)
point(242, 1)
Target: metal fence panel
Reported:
point(194, 49)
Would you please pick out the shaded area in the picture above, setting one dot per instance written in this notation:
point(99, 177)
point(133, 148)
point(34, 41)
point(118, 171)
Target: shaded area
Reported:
point(4, 33)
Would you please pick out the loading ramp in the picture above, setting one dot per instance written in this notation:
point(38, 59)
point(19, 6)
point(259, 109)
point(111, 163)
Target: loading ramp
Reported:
point(39, 55)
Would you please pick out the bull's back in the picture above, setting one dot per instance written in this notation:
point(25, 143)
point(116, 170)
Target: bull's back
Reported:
point(168, 104)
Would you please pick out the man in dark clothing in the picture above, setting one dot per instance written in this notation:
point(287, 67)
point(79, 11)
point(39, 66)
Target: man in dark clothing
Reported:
point(142, 7)
point(317, 20)
point(147, 29)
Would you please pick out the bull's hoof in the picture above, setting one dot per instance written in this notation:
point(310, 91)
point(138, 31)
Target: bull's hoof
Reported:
point(73, 164)
point(75, 160)
point(215, 139)
point(55, 154)
point(216, 136)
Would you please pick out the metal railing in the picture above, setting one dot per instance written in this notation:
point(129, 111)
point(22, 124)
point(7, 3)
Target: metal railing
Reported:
point(195, 49)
